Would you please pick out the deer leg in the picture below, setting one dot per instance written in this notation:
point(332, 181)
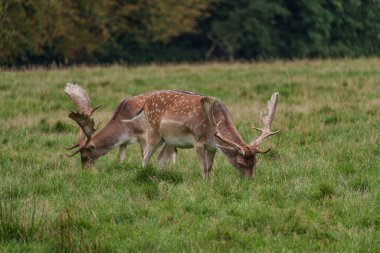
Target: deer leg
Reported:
point(210, 155)
point(149, 151)
point(174, 155)
point(154, 141)
point(206, 159)
point(122, 148)
point(142, 147)
point(166, 153)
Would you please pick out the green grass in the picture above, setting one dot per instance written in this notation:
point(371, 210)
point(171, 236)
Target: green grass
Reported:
point(319, 189)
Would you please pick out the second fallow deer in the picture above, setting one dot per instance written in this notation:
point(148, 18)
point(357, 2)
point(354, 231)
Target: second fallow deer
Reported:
point(187, 120)
point(116, 133)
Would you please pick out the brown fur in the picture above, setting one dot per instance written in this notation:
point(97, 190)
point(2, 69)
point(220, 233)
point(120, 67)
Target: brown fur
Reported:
point(180, 119)
point(117, 133)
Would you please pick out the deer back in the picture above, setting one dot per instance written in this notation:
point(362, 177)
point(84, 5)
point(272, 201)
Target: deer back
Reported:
point(181, 110)
point(118, 131)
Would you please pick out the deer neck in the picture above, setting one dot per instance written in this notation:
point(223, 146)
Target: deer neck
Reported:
point(112, 135)
point(226, 126)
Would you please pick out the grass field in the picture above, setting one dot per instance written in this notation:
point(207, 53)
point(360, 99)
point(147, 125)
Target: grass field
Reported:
point(318, 190)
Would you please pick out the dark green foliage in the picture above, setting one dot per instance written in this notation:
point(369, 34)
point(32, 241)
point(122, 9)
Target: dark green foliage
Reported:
point(246, 29)
point(142, 31)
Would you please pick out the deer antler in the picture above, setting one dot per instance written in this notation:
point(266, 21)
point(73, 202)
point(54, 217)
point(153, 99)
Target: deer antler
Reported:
point(207, 104)
point(72, 147)
point(85, 122)
point(79, 97)
point(83, 115)
point(267, 121)
point(219, 134)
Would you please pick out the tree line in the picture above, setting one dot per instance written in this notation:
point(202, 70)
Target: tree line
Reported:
point(36, 32)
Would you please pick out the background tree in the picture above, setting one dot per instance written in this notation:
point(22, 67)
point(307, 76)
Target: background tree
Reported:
point(245, 28)
point(140, 31)
point(22, 30)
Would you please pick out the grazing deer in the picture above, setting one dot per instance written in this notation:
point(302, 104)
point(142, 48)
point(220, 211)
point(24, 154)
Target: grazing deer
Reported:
point(116, 133)
point(187, 120)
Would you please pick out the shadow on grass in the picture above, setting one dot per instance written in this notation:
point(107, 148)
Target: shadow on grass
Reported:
point(149, 178)
point(150, 174)
point(325, 190)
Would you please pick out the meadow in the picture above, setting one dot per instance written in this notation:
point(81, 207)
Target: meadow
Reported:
point(317, 190)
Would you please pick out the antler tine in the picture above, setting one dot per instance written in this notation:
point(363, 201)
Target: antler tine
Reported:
point(73, 154)
point(267, 121)
point(72, 147)
point(93, 110)
point(78, 150)
point(85, 122)
point(207, 104)
point(218, 134)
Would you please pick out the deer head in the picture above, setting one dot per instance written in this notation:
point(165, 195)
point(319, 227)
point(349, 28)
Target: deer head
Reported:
point(85, 124)
point(242, 156)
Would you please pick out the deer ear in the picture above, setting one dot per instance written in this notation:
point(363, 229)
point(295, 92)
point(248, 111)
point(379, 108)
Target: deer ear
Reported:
point(207, 103)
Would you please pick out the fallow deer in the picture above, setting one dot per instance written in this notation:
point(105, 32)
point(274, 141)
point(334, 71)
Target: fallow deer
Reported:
point(186, 120)
point(116, 133)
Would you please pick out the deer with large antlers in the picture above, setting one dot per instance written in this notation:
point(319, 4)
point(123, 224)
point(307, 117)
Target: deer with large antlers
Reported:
point(187, 120)
point(116, 133)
